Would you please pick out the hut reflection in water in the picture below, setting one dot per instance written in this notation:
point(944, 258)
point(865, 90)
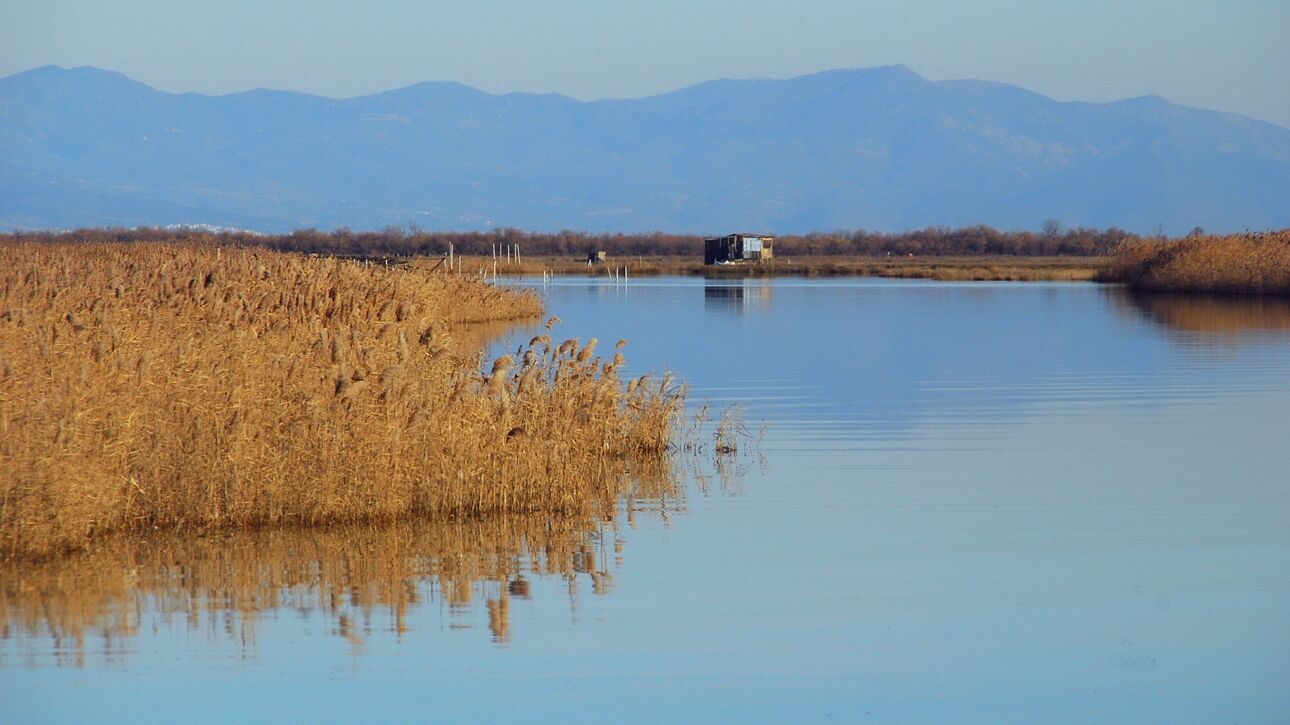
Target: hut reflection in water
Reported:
point(738, 295)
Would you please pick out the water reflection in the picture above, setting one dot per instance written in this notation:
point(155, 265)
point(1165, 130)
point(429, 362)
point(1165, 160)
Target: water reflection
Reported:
point(1226, 319)
point(480, 335)
point(357, 580)
point(738, 296)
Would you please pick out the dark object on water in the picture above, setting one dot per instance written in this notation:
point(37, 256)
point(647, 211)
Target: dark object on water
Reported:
point(518, 588)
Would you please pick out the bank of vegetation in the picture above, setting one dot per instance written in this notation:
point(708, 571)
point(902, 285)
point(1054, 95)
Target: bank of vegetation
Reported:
point(185, 387)
point(1198, 262)
point(1234, 264)
point(413, 242)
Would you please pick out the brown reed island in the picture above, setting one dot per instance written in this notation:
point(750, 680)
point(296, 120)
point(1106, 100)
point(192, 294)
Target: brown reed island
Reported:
point(175, 387)
point(1257, 263)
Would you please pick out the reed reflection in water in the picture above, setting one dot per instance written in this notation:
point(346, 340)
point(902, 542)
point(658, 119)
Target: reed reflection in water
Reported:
point(362, 580)
point(1225, 319)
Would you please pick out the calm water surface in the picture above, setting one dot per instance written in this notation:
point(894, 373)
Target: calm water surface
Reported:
point(997, 502)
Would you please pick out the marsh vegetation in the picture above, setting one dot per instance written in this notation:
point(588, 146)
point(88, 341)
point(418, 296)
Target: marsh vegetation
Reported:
point(1239, 263)
point(185, 387)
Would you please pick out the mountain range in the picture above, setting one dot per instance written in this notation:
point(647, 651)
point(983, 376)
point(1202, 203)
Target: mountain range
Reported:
point(879, 148)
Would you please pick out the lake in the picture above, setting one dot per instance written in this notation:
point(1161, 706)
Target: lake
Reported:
point(952, 501)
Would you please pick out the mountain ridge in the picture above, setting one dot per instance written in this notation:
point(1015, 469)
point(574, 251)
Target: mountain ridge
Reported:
point(879, 148)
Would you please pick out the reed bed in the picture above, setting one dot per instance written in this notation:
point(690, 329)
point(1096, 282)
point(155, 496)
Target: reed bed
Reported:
point(189, 388)
point(1235, 264)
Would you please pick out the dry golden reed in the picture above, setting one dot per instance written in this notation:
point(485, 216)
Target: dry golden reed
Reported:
point(184, 387)
point(1239, 263)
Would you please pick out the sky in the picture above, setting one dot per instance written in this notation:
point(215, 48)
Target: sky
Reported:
point(1229, 56)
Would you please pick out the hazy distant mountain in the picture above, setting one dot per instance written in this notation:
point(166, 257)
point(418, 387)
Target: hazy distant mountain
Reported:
point(879, 149)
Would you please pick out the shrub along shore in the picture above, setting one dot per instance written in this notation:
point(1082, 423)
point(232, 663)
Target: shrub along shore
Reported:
point(185, 387)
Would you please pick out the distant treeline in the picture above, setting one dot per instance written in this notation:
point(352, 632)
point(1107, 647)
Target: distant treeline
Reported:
point(398, 241)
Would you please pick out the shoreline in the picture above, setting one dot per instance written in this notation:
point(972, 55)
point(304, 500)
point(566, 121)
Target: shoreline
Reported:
point(981, 268)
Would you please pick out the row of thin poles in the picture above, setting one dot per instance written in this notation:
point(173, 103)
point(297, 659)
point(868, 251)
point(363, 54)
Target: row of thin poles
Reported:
point(619, 275)
point(511, 252)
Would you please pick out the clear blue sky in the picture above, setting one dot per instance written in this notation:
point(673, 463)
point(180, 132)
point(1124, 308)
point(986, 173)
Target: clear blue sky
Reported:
point(1229, 56)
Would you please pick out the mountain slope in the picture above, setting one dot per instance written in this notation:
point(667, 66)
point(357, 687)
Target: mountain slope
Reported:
point(880, 148)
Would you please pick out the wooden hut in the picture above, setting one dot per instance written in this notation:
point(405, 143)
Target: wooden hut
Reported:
point(738, 248)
